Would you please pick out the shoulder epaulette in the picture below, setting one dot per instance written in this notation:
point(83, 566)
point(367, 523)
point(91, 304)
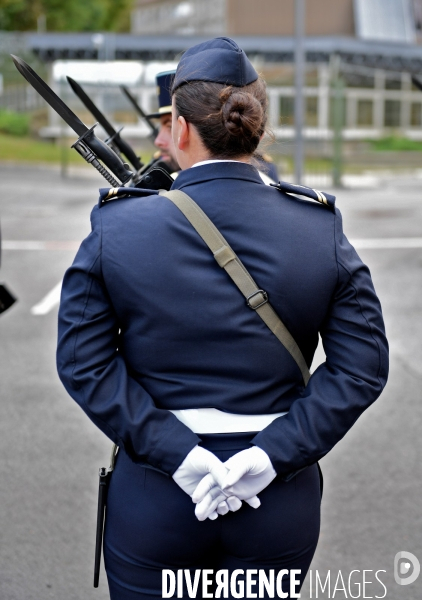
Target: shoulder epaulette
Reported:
point(290, 188)
point(109, 194)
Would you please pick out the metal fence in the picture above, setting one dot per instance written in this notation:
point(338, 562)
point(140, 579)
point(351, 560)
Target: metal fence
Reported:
point(369, 104)
point(20, 98)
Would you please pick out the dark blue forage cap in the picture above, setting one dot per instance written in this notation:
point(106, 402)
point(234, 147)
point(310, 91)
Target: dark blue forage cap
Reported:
point(219, 61)
point(164, 82)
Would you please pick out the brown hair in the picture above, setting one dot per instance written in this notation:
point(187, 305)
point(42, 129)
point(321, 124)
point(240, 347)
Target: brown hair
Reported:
point(230, 120)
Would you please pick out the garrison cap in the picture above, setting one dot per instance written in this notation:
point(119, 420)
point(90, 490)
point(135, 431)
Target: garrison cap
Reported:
point(164, 82)
point(219, 60)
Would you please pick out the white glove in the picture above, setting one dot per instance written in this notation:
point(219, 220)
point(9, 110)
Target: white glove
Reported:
point(198, 463)
point(214, 498)
point(250, 471)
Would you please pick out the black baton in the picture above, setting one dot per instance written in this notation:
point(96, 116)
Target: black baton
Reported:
point(105, 475)
point(102, 501)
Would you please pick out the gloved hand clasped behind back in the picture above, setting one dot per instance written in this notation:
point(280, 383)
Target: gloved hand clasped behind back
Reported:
point(198, 464)
point(249, 472)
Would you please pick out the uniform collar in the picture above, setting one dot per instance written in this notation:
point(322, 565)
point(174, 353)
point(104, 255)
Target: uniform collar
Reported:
point(213, 160)
point(217, 170)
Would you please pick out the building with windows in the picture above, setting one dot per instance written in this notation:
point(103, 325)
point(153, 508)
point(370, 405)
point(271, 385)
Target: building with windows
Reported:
point(240, 17)
point(378, 92)
point(393, 20)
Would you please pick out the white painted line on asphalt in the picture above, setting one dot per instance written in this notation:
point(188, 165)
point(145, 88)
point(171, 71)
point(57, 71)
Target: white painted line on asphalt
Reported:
point(21, 245)
point(48, 302)
point(387, 243)
point(39, 245)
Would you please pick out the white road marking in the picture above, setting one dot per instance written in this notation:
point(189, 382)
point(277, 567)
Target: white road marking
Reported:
point(39, 245)
point(21, 245)
point(387, 243)
point(48, 302)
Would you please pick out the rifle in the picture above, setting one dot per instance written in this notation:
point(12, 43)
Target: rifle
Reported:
point(6, 297)
point(141, 113)
point(115, 140)
point(93, 150)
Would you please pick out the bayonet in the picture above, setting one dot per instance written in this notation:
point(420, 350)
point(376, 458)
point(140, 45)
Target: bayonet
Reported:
point(115, 140)
point(88, 145)
point(141, 113)
point(417, 82)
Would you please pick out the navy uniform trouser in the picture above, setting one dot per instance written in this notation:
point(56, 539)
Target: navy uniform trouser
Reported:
point(151, 526)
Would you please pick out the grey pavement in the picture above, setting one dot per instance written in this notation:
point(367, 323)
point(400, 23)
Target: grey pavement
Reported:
point(50, 452)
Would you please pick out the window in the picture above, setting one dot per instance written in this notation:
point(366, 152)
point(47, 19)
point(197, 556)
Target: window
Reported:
point(392, 113)
point(393, 84)
point(416, 114)
point(183, 10)
point(365, 113)
point(358, 80)
point(287, 111)
point(311, 111)
point(389, 20)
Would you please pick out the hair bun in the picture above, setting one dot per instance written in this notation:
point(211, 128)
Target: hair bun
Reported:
point(230, 120)
point(242, 113)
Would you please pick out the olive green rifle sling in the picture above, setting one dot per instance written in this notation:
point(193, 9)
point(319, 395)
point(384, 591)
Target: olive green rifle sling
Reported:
point(256, 298)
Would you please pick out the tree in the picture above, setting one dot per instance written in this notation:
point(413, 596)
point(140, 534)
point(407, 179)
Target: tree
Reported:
point(71, 15)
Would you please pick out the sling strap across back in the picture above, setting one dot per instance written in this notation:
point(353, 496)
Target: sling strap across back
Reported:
point(256, 298)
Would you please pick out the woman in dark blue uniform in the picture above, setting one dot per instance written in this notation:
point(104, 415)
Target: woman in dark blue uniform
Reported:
point(159, 348)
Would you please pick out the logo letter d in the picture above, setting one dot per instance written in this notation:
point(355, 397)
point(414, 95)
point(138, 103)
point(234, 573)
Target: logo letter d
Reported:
point(401, 568)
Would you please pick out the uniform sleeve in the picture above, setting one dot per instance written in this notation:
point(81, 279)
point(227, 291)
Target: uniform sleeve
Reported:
point(95, 374)
point(350, 380)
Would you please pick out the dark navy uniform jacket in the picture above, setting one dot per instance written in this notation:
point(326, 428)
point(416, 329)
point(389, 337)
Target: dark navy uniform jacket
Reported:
point(148, 320)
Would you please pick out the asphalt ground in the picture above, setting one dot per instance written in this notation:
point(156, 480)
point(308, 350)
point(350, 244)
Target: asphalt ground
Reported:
point(50, 452)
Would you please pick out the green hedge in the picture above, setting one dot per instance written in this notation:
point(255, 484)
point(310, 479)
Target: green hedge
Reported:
point(14, 123)
point(396, 144)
